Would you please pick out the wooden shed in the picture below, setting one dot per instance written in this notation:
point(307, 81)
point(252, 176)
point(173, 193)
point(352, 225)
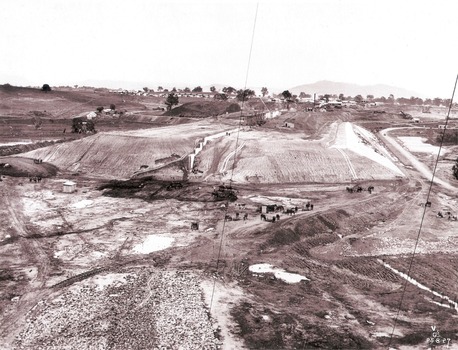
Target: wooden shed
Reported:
point(69, 187)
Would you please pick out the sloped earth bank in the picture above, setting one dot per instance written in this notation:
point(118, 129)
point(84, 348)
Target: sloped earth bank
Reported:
point(124, 153)
point(72, 272)
point(344, 153)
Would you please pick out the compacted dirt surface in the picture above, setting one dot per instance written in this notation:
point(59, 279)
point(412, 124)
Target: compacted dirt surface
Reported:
point(306, 244)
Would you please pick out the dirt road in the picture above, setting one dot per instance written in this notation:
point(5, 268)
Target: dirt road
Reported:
point(32, 255)
point(404, 155)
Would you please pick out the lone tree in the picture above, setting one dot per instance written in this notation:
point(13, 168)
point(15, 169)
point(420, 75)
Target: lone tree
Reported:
point(172, 100)
point(228, 90)
point(212, 89)
point(264, 91)
point(45, 88)
point(112, 107)
point(197, 89)
point(286, 95)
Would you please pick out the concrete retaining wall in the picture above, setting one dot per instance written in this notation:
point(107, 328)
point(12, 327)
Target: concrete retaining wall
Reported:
point(200, 146)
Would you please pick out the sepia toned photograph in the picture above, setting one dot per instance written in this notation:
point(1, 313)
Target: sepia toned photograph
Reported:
point(228, 175)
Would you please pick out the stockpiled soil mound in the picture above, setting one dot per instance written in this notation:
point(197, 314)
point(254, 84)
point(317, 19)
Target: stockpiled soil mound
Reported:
point(277, 157)
point(203, 109)
point(121, 154)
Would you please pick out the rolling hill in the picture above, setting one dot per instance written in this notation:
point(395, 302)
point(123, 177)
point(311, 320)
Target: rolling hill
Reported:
point(20, 101)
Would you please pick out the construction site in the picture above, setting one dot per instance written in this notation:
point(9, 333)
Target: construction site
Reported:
point(222, 232)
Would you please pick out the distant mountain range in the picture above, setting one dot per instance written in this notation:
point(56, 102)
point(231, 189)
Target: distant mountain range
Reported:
point(331, 87)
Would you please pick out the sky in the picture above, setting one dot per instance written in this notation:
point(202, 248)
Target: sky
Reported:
point(407, 44)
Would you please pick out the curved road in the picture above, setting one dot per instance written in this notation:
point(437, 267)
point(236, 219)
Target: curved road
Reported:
point(404, 155)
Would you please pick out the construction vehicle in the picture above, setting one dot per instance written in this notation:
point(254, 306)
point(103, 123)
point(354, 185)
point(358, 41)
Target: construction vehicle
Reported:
point(174, 186)
point(405, 115)
point(224, 193)
point(355, 188)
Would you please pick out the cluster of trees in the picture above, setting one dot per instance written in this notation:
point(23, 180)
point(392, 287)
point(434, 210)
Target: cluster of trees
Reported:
point(244, 95)
point(228, 90)
point(411, 101)
point(175, 90)
point(390, 99)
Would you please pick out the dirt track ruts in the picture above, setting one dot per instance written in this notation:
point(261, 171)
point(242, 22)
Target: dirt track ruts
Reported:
point(423, 169)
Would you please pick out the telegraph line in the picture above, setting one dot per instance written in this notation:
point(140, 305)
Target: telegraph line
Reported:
point(235, 155)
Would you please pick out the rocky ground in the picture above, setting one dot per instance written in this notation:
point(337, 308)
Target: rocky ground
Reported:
point(142, 309)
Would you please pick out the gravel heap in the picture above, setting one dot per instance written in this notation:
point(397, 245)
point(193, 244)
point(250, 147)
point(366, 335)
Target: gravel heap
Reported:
point(145, 310)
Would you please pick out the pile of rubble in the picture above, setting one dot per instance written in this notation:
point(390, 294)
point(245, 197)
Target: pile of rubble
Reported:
point(147, 310)
point(181, 318)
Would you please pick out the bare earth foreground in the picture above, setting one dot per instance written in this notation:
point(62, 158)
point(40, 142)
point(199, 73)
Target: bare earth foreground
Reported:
point(115, 265)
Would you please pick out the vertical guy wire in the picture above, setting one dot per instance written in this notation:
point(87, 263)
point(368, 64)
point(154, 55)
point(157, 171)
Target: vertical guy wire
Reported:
point(423, 216)
point(233, 165)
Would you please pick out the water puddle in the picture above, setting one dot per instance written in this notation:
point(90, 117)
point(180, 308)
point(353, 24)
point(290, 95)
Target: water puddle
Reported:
point(278, 273)
point(153, 243)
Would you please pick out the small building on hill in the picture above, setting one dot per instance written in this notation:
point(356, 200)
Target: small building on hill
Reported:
point(69, 187)
point(289, 125)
